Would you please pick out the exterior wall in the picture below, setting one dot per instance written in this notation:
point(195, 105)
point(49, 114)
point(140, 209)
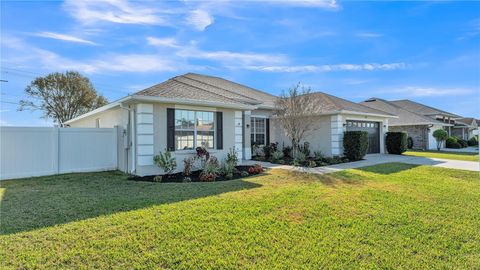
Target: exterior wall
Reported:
point(384, 127)
point(319, 136)
point(460, 132)
point(159, 124)
point(419, 135)
point(108, 119)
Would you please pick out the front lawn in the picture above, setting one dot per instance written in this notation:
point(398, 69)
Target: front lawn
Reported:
point(386, 216)
point(444, 154)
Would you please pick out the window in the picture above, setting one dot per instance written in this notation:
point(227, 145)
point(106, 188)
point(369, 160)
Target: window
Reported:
point(193, 129)
point(258, 130)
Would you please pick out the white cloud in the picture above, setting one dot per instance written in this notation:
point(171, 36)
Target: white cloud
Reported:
point(199, 19)
point(420, 91)
point(115, 11)
point(368, 35)
point(232, 58)
point(164, 42)
point(64, 37)
point(329, 68)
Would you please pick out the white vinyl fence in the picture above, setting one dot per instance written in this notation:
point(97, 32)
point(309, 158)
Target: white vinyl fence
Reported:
point(37, 151)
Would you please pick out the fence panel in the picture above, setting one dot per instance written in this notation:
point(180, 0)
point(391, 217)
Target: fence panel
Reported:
point(37, 151)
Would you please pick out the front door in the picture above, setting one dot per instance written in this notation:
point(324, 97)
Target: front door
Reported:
point(373, 129)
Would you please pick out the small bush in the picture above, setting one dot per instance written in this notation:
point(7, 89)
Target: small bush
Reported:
point(463, 143)
point(311, 164)
point(232, 157)
point(166, 162)
point(210, 171)
point(473, 141)
point(355, 144)
point(277, 155)
point(188, 165)
point(255, 169)
point(396, 142)
point(287, 151)
point(269, 149)
point(452, 142)
point(299, 158)
point(410, 143)
point(318, 155)
point(305, 148)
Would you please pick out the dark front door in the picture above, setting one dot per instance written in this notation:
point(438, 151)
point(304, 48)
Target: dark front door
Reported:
point(373, 129)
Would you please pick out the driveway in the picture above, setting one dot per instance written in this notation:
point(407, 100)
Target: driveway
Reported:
point(375, 159)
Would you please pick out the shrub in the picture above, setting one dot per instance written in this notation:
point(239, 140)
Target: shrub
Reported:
point(188, 165)
point(355, 144)
point(277, 155)
point(473, 141)
point(299, 158)
point(463, 143)
point(287, 151)
point(166, 162)
point(228, 169)
point(244, 173)
point(396, 142)
point(318, 155)
point(410, 143)
point(210, 171)
point(269, 149)
point(232, 157)
point(311, 164)
point(452, 142)
point(305, 148)
point(255, 169)
point(440, 136)
point(157, 178)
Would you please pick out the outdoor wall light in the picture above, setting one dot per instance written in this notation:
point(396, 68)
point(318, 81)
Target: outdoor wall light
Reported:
point(248, 125)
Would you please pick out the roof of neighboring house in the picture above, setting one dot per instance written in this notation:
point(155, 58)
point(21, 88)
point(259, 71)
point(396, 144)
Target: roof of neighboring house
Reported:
point(208, 88)
point(469, 121)
point(405, 117)
point(421, 108)
point(328, 104)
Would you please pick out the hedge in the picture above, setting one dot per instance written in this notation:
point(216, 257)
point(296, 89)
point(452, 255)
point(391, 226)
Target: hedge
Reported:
point(452, 142)
point(473, 141)
point(355, 144)
point(396, 142)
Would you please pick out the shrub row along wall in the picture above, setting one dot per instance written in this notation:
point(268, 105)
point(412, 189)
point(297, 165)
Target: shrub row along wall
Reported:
point(37, 151)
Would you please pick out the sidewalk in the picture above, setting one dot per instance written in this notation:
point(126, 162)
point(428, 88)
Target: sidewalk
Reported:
point(375, 159)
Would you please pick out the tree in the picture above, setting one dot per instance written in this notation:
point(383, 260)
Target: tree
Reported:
point(440, 136)
point(62, 96)
point(294, 110)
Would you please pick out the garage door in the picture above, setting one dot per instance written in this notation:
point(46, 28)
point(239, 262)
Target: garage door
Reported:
point(373, 133)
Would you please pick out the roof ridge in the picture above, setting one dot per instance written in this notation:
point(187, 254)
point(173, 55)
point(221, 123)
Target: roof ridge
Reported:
point(253, 99)
point(204, 90)
point(256, 90)
point(428, 106)
point(415, 113)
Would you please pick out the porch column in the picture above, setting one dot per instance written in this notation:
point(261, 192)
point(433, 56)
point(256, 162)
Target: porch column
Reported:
point(144, 137)
point(247, 151)
point(239, 134)
point(336, 123)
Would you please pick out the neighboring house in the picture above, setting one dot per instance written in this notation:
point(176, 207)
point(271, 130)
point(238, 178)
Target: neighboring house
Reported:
point(418, 126)
point(196, 110)
point(465, 128)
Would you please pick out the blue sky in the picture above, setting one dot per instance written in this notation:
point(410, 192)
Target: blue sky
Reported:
point(425, 51)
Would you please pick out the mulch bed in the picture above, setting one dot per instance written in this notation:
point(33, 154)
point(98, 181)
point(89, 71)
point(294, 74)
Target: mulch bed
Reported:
point(195, 176)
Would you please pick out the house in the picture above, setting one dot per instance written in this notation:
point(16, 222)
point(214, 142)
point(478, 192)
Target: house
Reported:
point(193, 110)
point(420, 127)
point(465, 128)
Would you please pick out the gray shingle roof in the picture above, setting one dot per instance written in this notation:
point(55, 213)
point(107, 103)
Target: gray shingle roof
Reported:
point(468, 121)
point(328, 103)
point(405, 117)
point(421, 108)
point(208, 88)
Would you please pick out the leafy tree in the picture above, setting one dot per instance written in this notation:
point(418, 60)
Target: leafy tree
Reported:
point(293, 110)
point(440, 136)
point(62, 96)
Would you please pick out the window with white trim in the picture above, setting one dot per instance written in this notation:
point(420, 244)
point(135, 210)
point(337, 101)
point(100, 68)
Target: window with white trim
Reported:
point(193, 129)
point(258, 130)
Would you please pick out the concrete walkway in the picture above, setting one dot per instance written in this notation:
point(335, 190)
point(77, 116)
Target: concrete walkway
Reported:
point(470, 149)
point(375, 159)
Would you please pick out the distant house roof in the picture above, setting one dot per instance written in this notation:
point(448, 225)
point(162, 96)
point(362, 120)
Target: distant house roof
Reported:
point(469, 121)
point(328, 104)
point(208, 88)
point(405, 117)
point(421, 108)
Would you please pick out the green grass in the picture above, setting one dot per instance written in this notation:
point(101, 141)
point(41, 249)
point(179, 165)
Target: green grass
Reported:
point(444, 154)
point(385, 216)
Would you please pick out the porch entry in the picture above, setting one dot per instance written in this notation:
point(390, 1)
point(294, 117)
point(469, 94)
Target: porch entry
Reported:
point(373, 129)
